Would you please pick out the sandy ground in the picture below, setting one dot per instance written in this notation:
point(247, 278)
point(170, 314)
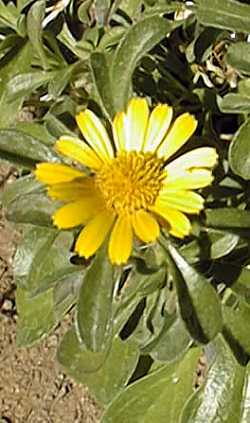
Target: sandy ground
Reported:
point(33, 388)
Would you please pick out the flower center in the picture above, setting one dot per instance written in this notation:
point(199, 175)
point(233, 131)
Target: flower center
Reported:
point(131, 181)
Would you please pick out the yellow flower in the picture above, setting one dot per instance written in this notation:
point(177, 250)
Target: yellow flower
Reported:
point(129, 186)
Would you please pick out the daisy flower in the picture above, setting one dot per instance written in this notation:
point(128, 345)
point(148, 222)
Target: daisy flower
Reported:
point(128, 185)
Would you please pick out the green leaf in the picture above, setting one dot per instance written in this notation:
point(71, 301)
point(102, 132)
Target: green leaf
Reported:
point(66, 292)
point(34, 30)
point(39, 315)
point(82, 48)
point(36, 316)
point(238, 56)
point(23, 84)
point(56, 127)
point(234, 103)
point(35, 208)
point(83, 11)
point(94, 308)
point(131, 49)
point(228, 218)
point(13, 62)
point(172, 341)
point(234, 276)
point(8, 15)
point(26, 202)
point(22, 186)
point(211, 244)
point(101, 77)
point(130, 7)
point(221, 398)
point(159, 7)
point(137, 287)
point(101, 9)
point(111, 38)
point(60, 80)
point(8, 43)
point(224, 14)
point(65, 106)
point(219, 243)
point(21, 4)
point(142, 283)
point(236, 329)
point(36, 130)
point(20, 148)
point(124, 312)
point(77, 359)
point(43, 259)
point(18, 60)
point(158, 397)
point(199, 304)
point(149, 319)
point(105, 373)
point(239, 152)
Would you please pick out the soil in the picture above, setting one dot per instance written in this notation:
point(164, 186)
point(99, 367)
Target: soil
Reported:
point(33, 388)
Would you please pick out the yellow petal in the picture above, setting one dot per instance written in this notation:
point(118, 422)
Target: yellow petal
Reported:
point(181, 130)
point(179, 224)
point(53, 173)
point(76, 213)
point(197, 158)
point(78, 150)
point(145, 226)
point(120, 244)
point(137, 122)
point(94, 234)
point(119, 131)
point(72, 191)
point(197, 178)
point(158, 125)
point(185, 201)
point(95, 134)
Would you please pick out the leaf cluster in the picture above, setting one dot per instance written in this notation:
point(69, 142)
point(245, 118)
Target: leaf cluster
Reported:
point(138, 331)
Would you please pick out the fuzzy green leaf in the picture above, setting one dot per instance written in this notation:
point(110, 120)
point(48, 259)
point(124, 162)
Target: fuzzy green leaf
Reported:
point(158, 397)
point(228, 218)
point(21, 148)
point(212, 244)
point(38, 131)
point(234, 103)
point(26, 201)
point(172, 341)
point(224, 397)
point(24, 83)
point(77, 359)
point(43, 259)
point(101, 77)
point(36, 316)
point(94, 308)
point(17, 60)
point(131, 49)
point(105, 373)
point(225, 14)
point(199, 304)
point(239, 151)
point(40, 314)
point(8, 15)
point(236, 328)
point(238, 56)
point(34, 29)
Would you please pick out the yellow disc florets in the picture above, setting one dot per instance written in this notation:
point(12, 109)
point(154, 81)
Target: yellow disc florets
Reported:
point(131, 181)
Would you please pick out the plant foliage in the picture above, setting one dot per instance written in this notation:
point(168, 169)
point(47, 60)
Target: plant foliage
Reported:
point(138, 331)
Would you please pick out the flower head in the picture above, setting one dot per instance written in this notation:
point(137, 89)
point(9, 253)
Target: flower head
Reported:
point(131, 186)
